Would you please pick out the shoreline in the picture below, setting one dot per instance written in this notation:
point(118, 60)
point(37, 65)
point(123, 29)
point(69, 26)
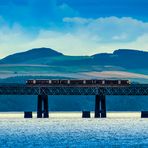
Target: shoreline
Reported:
point(112, 114)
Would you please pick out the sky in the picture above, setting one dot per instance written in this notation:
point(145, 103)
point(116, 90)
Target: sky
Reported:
point(73, 27)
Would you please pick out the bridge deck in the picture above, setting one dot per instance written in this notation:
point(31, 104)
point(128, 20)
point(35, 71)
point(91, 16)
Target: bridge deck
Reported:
point(22, 89)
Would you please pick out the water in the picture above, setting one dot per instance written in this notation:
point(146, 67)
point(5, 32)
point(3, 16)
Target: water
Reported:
point(70, 130)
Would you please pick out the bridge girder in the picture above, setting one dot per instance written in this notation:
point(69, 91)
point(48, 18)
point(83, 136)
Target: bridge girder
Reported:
point(136, 90)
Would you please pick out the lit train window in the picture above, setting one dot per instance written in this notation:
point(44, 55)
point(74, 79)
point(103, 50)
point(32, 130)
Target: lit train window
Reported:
point(119, 82)
point(34, 81)
point(49, 81)
point(103, 82)
point(68, 81)
point(128, 82)
point(84, 81)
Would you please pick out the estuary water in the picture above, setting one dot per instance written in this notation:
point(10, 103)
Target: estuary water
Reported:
point(70, 130)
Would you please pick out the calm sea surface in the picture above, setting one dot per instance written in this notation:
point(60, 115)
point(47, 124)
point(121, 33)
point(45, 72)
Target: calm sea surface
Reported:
point(70, 130)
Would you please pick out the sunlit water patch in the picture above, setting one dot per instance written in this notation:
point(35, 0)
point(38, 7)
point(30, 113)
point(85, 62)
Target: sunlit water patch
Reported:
point(13, 115)
point(70, 130)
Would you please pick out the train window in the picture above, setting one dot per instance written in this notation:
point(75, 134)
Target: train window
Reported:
point(119, 82)
point(63, 81)
point(103, 82)
point(84, 81)
point(128, 82)
point(94, 81)
point(55, 81)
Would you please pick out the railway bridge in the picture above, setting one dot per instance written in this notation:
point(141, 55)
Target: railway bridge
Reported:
point(100, 93)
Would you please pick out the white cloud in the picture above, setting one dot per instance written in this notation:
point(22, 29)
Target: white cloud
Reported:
point(110, 29)
point(12, 39)
point(79, 36)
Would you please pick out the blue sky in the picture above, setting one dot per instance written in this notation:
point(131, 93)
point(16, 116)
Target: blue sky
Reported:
point(73, 27)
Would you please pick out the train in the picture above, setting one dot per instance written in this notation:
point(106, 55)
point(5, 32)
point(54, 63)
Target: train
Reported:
point(77, 82)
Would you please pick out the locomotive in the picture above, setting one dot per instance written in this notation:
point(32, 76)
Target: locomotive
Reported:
point(77, 82)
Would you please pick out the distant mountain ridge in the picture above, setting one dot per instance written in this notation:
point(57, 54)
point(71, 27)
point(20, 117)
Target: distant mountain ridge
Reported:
point(32, 54)
point(126, 58)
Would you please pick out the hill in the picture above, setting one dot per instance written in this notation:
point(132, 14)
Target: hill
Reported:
point(124, 58)
point(33, 54)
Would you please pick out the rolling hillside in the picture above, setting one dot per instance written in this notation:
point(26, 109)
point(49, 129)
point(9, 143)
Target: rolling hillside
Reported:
point(33, 54)
point(124, 58)
point(48, 62)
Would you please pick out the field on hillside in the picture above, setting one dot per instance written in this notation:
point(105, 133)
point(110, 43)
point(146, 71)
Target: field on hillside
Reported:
point(76, 72)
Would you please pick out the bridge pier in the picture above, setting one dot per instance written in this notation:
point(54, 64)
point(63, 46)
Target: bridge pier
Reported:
point(100, 106)
point(103, 107)
point(39, 107)
point(42, 107)
point(45, 99)
point(97, 106)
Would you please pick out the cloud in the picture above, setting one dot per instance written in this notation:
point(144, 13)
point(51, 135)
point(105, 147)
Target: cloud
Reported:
point(78, 36)
point(110, 29)
point(12, 39)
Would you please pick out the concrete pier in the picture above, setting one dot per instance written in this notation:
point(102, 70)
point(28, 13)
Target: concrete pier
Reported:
point(45, 100)
point(27, 114)
point(100, 106)
point(42, 107)
point(103, 107)
point(97, 106)
point(39, 107)
point(86, 114)
point(144, 114)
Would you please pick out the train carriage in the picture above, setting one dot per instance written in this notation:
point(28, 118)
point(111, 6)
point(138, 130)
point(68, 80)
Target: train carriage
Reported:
point(79, 82)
